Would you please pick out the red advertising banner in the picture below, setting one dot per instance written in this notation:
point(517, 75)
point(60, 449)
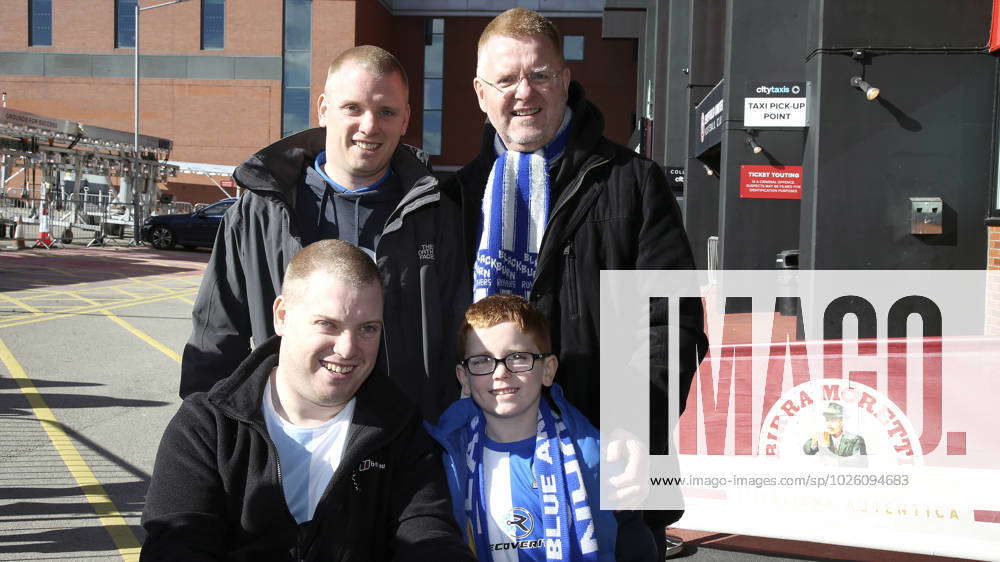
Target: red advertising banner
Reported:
point(771, 182)
point(995, 27)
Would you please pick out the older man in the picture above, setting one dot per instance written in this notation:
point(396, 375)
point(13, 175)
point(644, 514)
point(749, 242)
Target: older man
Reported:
point(550, 202)
point(301, 454)
point(350, 179)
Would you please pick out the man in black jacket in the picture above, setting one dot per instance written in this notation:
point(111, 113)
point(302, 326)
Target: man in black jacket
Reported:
point(300, 454)
point(550, 202)
point(350, 179)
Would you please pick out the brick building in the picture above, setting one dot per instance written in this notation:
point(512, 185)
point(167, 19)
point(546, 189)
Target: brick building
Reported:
point(225, 78)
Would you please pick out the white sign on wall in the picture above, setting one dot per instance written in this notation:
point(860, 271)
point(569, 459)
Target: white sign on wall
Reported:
point(775, 104)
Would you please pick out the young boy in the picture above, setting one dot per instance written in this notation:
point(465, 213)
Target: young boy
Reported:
point(522, 463)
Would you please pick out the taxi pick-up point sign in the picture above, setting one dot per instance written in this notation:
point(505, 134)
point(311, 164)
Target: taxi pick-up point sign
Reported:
point(775, 104)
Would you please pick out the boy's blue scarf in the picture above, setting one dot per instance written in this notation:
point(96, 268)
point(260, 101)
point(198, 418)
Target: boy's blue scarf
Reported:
point(570, 532)
point(515, 212)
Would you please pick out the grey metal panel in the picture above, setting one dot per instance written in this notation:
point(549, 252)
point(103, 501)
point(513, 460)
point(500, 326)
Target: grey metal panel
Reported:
point(211, 68)
point(635, 4)
point(111, 66)
point(623, 24)
point(500, 5)
point(574, 5)
point(258, 68)
point(67, 64)
point(23, 64)
point(163, 66)
point(430, 4)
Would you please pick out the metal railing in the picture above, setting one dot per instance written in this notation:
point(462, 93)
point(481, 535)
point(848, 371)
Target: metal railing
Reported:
point(93, 218)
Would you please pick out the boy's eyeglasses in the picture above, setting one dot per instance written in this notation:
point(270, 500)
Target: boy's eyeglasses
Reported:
point(516, 362)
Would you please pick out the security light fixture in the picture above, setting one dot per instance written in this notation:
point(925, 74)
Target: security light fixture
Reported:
point(752, 142)
point(708, 171)
point(871, 92)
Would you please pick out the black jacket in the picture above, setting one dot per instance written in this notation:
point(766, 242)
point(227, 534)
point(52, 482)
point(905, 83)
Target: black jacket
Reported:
point(425, 281)
point(613, 210)
point(216, 490)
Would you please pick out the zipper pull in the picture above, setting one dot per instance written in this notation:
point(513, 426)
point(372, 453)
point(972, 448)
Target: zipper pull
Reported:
point(568, 250)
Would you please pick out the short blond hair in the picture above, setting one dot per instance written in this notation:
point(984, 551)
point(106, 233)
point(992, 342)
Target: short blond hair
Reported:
point(333, 257)
point(521, 23)
point(374, 59)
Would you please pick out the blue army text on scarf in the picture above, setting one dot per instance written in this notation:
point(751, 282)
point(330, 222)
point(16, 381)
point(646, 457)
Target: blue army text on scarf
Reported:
point(515, 212)
point(568, 523)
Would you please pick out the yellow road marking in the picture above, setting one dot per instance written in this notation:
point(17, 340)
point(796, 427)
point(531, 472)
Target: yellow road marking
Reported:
point(120, 290)
point(121, 534)
point(149, 283)
point(64, 271)
point(20, 303)
point(51, 301)
point(189, 301)
point(143, 336)
point(87, 309)
point(86, 300)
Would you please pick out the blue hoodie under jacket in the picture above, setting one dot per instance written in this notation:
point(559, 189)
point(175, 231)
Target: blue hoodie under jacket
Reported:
point(452, 433)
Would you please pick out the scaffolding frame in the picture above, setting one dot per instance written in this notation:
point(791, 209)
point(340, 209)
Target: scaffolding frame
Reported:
point(34, 144)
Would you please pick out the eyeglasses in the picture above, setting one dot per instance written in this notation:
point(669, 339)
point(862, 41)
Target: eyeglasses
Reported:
point(516, 362)
point(538, 79)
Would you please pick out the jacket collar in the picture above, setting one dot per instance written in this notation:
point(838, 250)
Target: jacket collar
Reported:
point(381, 412)
point(278, 167)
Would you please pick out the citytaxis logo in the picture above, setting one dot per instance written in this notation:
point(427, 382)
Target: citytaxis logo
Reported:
point(771, 90)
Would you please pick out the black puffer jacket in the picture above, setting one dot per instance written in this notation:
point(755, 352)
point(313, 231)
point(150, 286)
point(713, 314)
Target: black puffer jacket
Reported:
point(425, 280)
point(614, 210)
point(216, 490)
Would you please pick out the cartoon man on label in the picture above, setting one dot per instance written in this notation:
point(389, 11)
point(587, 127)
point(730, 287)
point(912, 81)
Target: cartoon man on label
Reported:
point(833, 440)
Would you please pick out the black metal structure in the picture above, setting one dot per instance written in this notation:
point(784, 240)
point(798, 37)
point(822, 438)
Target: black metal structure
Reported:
point(929, 133)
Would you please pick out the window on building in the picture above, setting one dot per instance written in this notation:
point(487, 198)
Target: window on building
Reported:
point(433, 85)
point(573, 47)
point(213, 24)
point(40, 23)
point(125, 23)
point(296, 75)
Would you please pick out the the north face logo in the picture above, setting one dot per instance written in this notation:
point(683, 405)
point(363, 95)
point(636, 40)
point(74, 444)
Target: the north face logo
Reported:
point(426, 252)
point(368, 464)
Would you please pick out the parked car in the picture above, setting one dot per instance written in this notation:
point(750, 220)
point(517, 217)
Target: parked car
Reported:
point(190, 230)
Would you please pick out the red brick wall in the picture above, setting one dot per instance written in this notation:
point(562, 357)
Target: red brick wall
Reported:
point(213, 121)
point(14, 31)
point(993, 280)
point(993, 248)
point(253, 28)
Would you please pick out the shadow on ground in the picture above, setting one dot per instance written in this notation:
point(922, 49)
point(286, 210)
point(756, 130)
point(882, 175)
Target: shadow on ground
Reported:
point(47, 519)
point(30, 269)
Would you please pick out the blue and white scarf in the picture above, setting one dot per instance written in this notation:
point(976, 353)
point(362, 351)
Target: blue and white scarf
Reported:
point(569, 528)
point(515, 212)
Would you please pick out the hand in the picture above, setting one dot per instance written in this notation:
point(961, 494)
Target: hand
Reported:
point(632, 484)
